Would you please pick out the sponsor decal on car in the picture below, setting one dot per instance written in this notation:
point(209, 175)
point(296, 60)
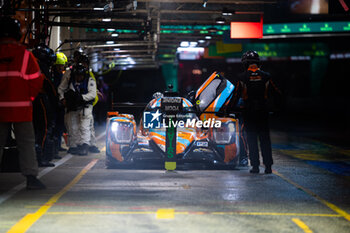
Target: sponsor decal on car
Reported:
point(202, 144)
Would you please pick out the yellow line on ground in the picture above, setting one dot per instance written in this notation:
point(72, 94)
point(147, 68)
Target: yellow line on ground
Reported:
point(27, 221)
point(302, 225)
point(336, 148)
point(326, 203)
point(100, 212)
point(165, 214)
point(320, 156)
point(280, 214)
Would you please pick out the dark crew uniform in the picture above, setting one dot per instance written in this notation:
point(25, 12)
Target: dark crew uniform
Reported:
point(255, 84)
point(44, 114)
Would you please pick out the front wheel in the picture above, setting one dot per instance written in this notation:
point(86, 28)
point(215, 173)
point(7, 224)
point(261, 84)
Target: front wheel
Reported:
point(109, 163)
point(112, 163)
point(232, 165)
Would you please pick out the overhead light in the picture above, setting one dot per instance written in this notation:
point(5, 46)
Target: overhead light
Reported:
point(185, 44)
point(220, 20)
point(193, 44)
point(110, 42)
point(201, 41)
point(98, 9)
point(115, 35)
point(212, 29)
point(116, 49)
point(205, 3)
point(107, 20)
point(196, 49)
point(110, 29)
point(130, 60)
point(226, 12)
point(208, 37)
point(196, 71)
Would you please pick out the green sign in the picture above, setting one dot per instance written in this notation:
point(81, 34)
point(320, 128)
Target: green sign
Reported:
point(306, 27)
point(285, 29)
point(268, 29)
point(277, 50)
point(196, 27)
point(326, 28)
point(288, 49)
point(347, 28)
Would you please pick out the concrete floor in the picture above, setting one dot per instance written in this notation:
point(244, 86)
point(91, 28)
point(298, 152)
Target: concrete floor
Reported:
point(308, 192)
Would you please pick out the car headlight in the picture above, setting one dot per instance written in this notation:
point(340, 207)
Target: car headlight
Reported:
point(225, 134)
point(122, 132)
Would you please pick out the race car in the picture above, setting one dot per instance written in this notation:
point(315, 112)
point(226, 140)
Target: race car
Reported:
point(173, 128)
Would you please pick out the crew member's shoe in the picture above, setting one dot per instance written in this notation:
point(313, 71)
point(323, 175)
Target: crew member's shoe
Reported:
point(34, 184)
point(268, 170)
point(94, 149)
point(254, 170)
point(45, 164)
point(73, 150)
point(61, 149)
point(84, 149)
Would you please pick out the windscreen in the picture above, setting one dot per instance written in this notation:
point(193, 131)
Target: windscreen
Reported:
point(208, 95)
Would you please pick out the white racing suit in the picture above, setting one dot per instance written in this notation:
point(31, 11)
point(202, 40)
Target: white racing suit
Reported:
point(78, 122)
point(92, 131)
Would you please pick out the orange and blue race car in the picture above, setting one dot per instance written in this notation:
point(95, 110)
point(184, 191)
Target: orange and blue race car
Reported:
point(173, 128)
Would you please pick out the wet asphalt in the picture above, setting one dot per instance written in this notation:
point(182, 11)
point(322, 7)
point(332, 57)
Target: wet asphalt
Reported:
point(309, 191)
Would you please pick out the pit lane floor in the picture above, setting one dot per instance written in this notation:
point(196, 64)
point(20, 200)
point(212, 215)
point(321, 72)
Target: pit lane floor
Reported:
point(309, 191)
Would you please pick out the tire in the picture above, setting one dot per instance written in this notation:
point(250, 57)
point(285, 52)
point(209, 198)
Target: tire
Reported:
point(114, 164)
point(109, 163)
point(233, 164)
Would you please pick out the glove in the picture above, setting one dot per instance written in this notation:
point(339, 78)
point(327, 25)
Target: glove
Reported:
point(80, 101)
point(71, 100)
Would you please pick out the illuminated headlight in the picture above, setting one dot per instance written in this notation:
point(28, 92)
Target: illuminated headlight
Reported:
point(225, 134)
point(122, 132)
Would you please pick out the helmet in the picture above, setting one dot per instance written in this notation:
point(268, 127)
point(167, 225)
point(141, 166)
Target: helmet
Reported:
point(79, 69)
point(77, 53)
point(84, 58)
point(44, 54)
point(250, 57)
point(61, 59)
point(10, 28)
